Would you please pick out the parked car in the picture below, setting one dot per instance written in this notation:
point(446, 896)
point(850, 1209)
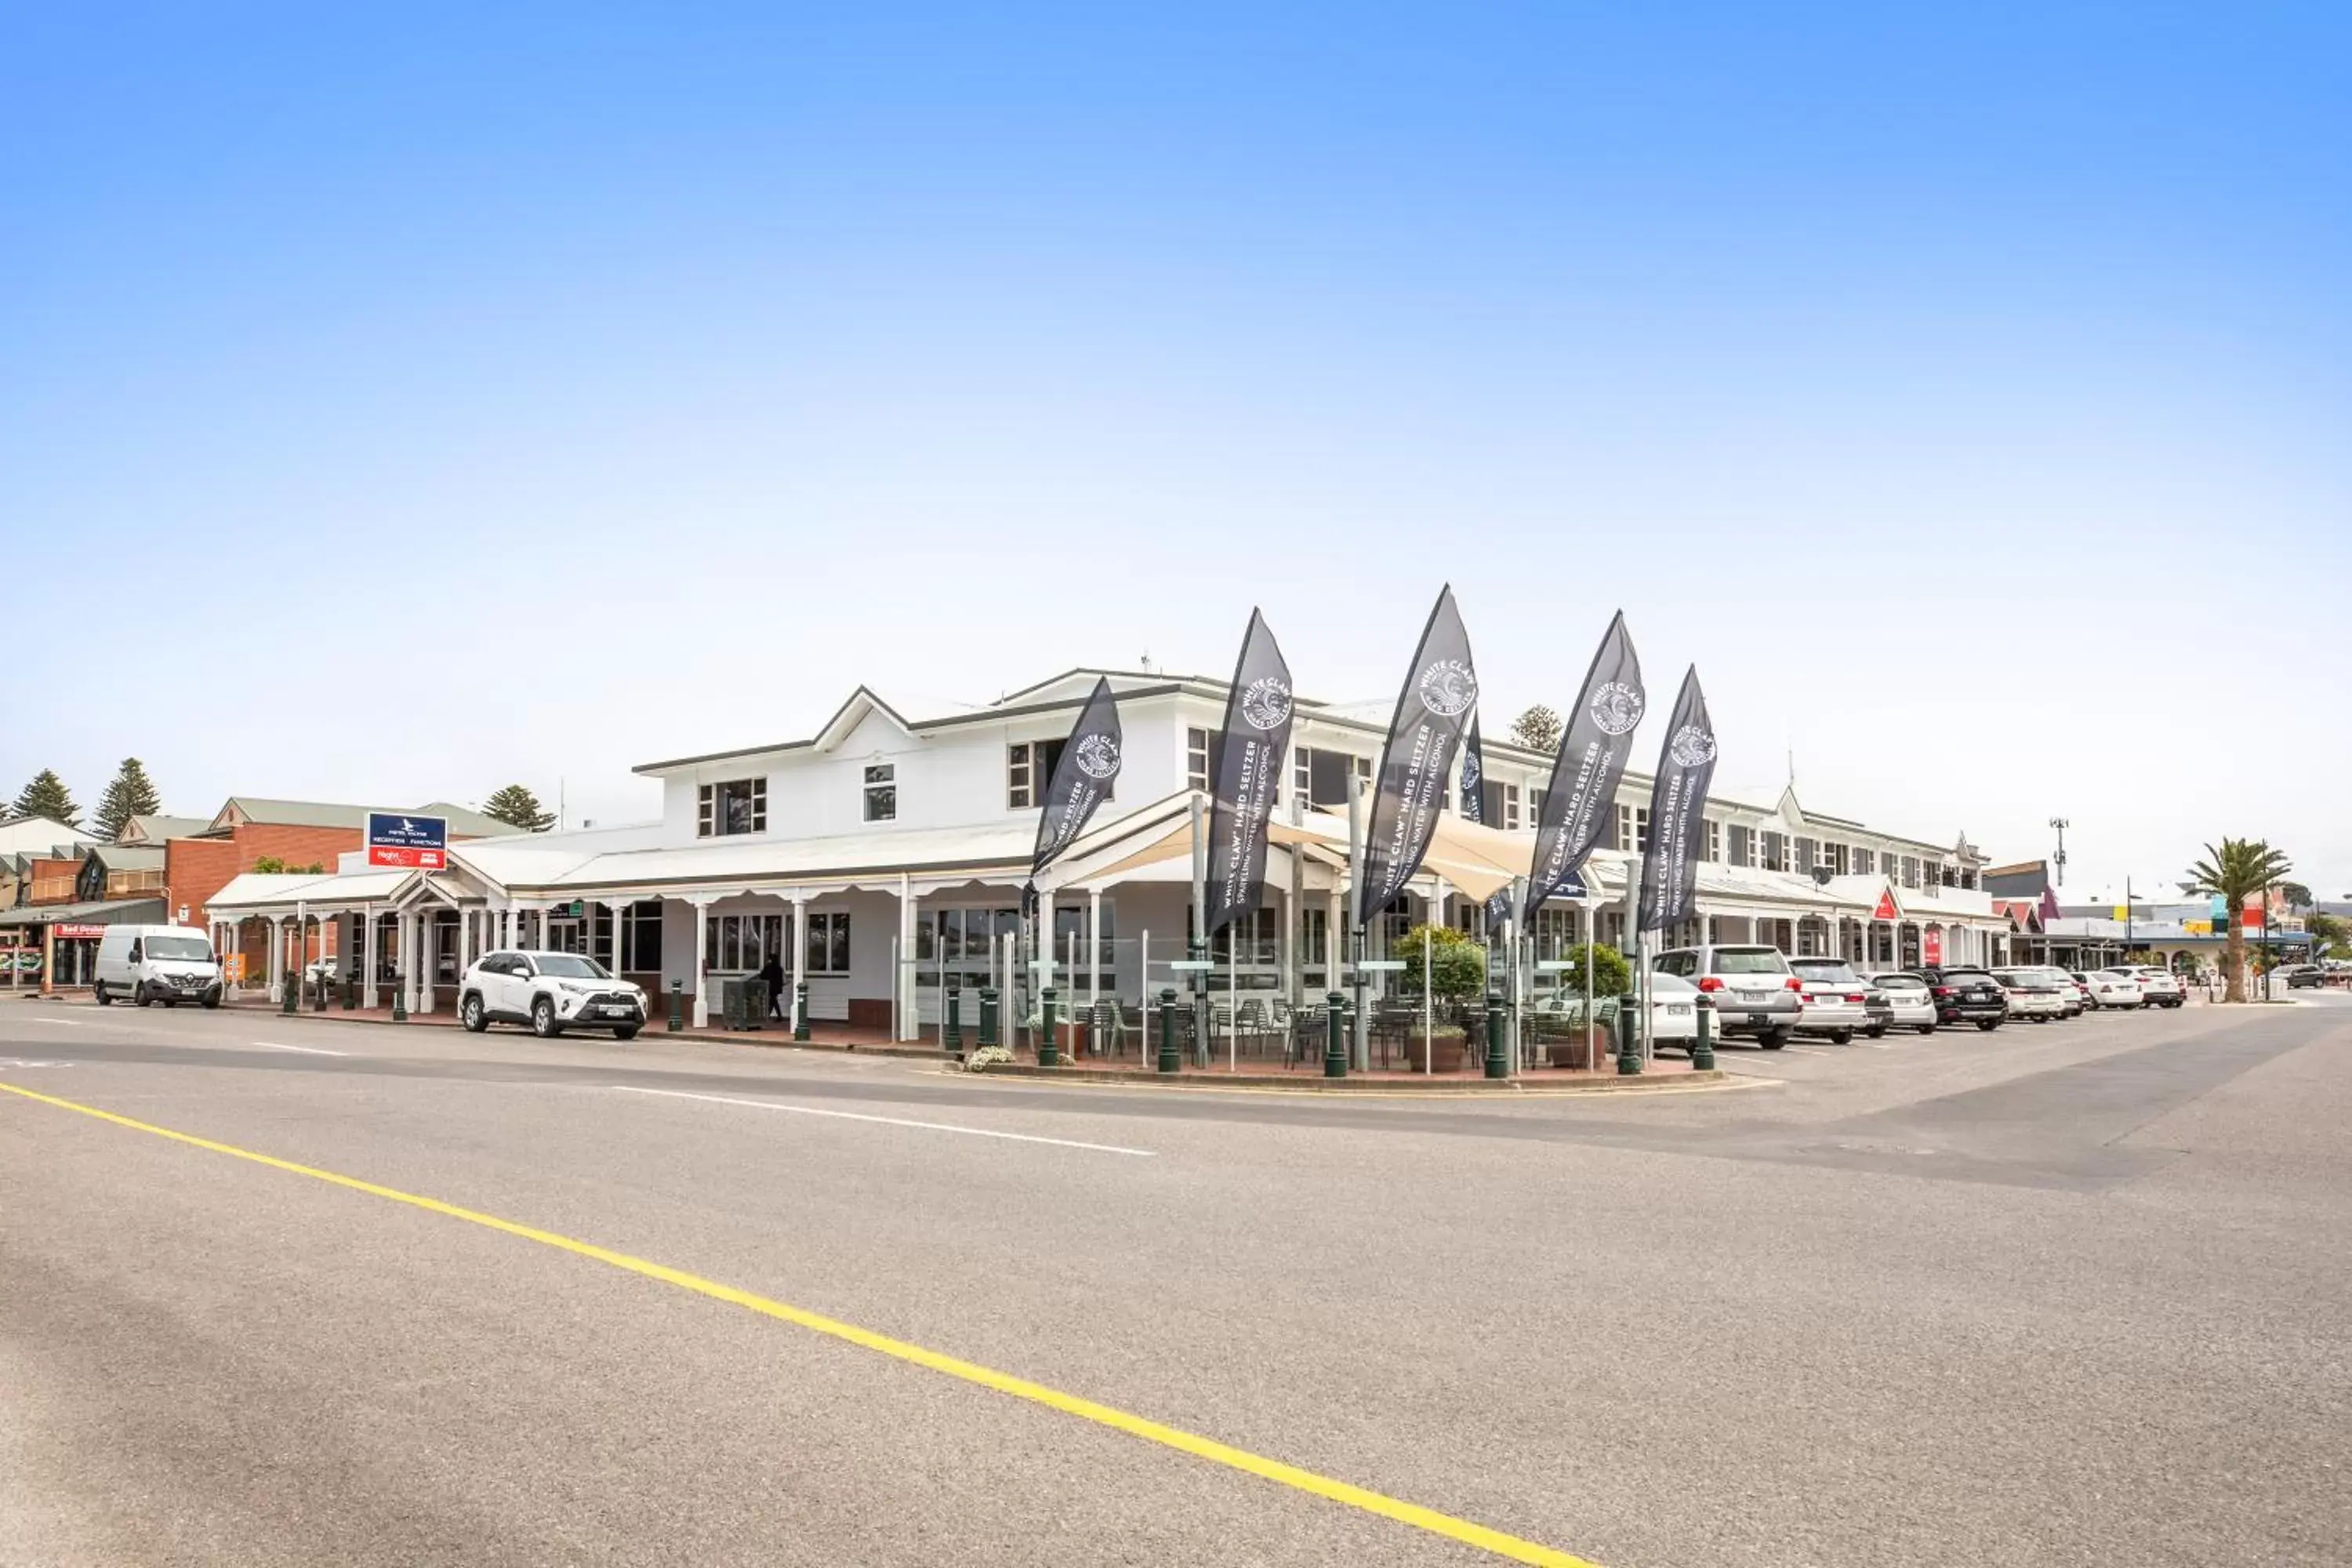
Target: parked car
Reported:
point(2110, 989)
point(2032, 993)
point(2303, 976)
point(2078, 990)
point(1673, 1011)
point(2158, 988)
point(1755, 996)
point(1908, 1004)
point(1837, 1001)
point(550, 992)
point(170, 965)
point(1965, 995)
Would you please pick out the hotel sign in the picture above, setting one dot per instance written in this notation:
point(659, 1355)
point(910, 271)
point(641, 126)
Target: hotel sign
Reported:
point(394, 839)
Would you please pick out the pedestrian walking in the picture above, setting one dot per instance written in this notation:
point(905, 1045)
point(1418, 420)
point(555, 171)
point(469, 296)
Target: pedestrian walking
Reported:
point(772, 975)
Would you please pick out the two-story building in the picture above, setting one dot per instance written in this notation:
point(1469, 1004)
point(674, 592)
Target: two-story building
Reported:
point(882, 859)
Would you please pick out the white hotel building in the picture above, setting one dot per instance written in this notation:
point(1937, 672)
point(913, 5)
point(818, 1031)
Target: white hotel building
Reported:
point(884, 855)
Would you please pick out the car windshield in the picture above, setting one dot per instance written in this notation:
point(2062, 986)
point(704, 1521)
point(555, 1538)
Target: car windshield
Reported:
point(570, 966)
point(189, 947)
point(1749, 961)
point(1899, 982)
point(1966, 977)
point(1825, 968)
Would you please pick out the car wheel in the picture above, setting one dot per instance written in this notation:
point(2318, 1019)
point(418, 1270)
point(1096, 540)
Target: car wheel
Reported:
point(542, 1019)
point(170, 1002)
point(103, 999)
point(139, 995)
point(1773, 1039)
point(212, 1000)
point(1878, 1034)
point(1988, 1025)
point(627, 1032)
point(1840, 1036)
point(1926, 1028)
point(470, 1014)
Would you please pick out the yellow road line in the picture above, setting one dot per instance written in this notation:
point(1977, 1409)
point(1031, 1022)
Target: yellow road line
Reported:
point(1463, 1531)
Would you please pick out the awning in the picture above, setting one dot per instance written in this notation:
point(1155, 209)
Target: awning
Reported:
point(99, 912)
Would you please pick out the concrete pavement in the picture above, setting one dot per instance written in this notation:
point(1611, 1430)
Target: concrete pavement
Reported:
point(2067, 1294)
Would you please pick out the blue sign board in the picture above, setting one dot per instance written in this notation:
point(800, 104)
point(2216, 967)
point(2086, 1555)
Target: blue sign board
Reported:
point(2220, 908)
point(396, 838)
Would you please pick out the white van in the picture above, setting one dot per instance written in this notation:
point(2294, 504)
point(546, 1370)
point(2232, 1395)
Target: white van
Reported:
point(170, 965)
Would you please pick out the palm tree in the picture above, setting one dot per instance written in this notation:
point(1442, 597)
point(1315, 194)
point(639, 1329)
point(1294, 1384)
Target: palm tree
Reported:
point(2237, 871)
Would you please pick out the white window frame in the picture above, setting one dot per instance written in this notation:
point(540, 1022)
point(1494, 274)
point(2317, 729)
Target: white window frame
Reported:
point(1196, 759)
point(710, 821)
point(824, 923)
point(881, 782)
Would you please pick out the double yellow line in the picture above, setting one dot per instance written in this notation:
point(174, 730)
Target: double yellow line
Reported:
point(1209, 1449)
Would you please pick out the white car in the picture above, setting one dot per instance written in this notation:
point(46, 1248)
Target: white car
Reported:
point(2033, 993)
point(1909, 1000)
point(1673, 1011)
point(2110, 989)
point(1836, 999)
point(548, 992)
point(2158, 988)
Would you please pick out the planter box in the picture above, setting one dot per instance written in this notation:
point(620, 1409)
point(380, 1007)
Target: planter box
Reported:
point(1451, 1050)
point(1581, 1048)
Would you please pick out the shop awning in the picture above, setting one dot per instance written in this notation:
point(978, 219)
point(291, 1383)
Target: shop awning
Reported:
point(97, 912)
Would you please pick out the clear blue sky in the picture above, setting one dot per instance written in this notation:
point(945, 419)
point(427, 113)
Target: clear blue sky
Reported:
point(525, 398)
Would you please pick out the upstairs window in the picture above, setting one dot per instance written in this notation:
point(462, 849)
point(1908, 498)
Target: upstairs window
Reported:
point(1713, 852)
point(1322, 779)
point(881, 792)
point(1196, 759)
point(1808, 855)
point(1910, 871)
point(1743, 844)
point(1776, 851)
point(1865, 862)
point(1028, 768)
point(736, 805)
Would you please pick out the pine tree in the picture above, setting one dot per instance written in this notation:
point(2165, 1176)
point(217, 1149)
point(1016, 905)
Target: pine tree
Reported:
point(45, 796)
point(518, 807)
point(132, 794)
point(1538, 728)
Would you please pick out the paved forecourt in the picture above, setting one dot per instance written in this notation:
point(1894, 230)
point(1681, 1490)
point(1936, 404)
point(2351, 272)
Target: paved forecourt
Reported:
point(1991, 1296)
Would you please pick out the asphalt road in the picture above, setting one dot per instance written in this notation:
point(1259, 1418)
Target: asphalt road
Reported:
point(2069, 1294)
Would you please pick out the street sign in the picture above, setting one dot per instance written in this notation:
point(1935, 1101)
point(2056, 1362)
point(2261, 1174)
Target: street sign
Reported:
point(394, 839)
point(1380, 964)
point(64, 933)
point(1554, 965)
point(1192, 964)
point(2120, 913)
point(1886, 910)
point(2220, 908)
point(1931, 946)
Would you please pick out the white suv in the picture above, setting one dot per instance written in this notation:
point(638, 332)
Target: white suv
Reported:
point(2156, 985)
point(551, 992)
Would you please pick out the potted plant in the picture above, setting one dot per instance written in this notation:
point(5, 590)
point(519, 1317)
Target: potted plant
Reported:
point(1612, 977)
point(1456, 969)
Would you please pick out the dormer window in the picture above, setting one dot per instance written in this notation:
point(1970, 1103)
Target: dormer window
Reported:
point(735, 805)
point(881, 792)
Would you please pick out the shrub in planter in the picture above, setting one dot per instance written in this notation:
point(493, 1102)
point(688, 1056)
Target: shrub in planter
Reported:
point(1458, 973)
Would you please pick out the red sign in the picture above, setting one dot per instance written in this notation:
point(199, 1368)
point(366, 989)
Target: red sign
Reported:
point(1931, 946)
point(77, 933)
point(1887, 909)
point(423, 859)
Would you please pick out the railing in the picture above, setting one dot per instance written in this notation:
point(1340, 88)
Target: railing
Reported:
point(121, 884)
point(52, 890)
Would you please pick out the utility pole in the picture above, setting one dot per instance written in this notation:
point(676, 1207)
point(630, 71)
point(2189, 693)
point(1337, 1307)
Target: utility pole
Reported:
point(2059, 859)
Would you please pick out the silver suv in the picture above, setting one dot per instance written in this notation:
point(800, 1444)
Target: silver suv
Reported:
point(1752, 989)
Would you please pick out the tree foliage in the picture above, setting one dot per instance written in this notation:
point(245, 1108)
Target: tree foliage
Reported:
point(132, 794)
point(2238, 871)
point(2296, 895)
point(517, 807)
point(1612, 976)
point(45, 796)
point(2332, 934)
point(272, 866)
point(1457, 965)
point(1539, 729)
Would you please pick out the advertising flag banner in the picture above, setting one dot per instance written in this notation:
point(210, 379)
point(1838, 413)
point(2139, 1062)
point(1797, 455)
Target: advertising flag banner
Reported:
point(1082, 776)
point(1441, 691)
point(396, 838)
point(1473, 776)
point(1254, 750)
point(1589, 767)
point(1678, 811)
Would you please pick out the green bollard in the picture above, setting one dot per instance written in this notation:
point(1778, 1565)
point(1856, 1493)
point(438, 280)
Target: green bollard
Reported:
point(400, 999)
point(351, 992)
point(1049, 1049)
point(987, 1016)
point(1498, 1060)
point(289, 998)
point(318, 995)
point(1703, 1049)
point(676, 1006)
point(955, 1020)
point(1629, 1055)
point(1335, 1034)
point(1170, 1060)
point(800, 1010)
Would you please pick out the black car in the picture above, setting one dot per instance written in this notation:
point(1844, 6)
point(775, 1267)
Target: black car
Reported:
point(1965, 995)
point(2306, 976)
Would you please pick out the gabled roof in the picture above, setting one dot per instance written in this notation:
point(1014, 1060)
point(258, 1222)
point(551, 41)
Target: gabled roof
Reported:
point(463, 821)
point(152, 828)
point(128, 857)
point(39, 835)
point(846, 719)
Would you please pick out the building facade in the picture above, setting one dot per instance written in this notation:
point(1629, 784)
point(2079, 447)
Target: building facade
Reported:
point(882, 859)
